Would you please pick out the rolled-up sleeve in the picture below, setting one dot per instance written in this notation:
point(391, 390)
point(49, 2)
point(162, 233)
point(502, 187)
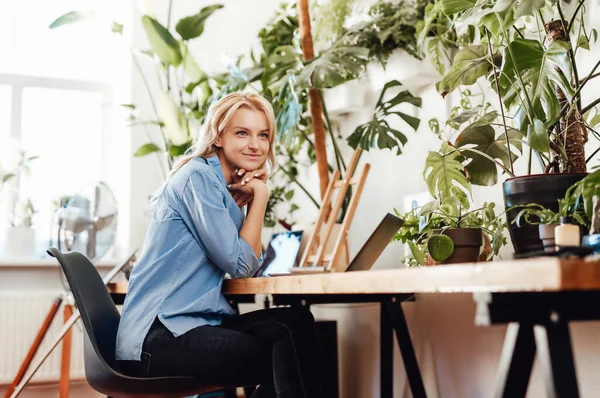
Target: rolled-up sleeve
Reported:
point(215, 230)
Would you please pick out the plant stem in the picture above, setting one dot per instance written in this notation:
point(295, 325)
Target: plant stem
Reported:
point(510, 161)
point(145, 81)
point(573, 17)
point(571, 55)
point(517, 73)
point(485, 155)
point(590, 106)
point(529, 161)
point(592, 155)
point(291, 177)
point(590, 76)
point(338, 156)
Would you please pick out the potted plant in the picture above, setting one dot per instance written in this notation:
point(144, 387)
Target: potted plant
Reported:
point(525, 53)
point(20, 234)
point(446, 230)
point(577, 205)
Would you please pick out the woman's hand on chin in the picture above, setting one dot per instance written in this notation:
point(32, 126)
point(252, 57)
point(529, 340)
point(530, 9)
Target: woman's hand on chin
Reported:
point(240, 179)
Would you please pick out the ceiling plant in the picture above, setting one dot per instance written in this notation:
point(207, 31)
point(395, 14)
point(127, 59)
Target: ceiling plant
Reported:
point(525, 53)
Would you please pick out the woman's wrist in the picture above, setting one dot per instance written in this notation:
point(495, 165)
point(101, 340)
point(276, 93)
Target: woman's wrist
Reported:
point(261, 191)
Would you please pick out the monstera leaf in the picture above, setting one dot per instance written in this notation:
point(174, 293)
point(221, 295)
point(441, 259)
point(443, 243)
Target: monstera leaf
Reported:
point(378, 132)
point(540, 71)
point(444, 170)
point(193, 26)
point(469, 65)
point(334, 67)
point(162, 42)
point(284, 61)
point(482, 170)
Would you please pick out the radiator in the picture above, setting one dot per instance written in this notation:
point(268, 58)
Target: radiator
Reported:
point(21, 316)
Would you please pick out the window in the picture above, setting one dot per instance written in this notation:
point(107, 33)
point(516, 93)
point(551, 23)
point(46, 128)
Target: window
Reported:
point(59, 95)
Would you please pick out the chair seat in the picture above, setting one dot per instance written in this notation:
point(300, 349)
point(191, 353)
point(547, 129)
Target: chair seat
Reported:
point(101, 320)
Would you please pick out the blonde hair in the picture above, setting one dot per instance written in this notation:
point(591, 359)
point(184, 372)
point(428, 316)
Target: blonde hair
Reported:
point(217, 119)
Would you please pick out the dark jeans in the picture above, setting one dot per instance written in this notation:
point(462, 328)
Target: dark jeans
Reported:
point(274, 348)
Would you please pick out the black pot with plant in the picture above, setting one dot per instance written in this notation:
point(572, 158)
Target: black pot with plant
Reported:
point(540, 91)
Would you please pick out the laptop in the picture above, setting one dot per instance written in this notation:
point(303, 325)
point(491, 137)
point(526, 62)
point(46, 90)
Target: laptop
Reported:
point(363, 261)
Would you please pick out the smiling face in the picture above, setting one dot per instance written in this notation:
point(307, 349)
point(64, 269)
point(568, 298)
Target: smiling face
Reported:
point(245, 141)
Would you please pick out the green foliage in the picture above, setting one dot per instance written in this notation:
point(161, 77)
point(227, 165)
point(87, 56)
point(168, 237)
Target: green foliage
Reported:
point(451, 209)
point(162, 41)
point(576, 204)
point(391, 25)
point(377, 132)
point(478, 144)
point(469, 65)
point(193, 26)
point(444, 170)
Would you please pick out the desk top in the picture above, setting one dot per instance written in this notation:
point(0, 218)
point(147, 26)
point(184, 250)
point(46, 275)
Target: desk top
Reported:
point(538, 274)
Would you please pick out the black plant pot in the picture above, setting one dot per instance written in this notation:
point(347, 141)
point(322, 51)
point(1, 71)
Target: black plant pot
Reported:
point(543, 189)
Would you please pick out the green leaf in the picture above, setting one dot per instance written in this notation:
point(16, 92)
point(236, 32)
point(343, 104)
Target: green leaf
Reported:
point(537, 136)
point(72, 17)
point(461, 196)
point(285, 60)
point(289, 194)
point(129, 106)
point(416, 253)
point(178, 150)
point(176, 127)
point(595, 121)
point(146, 149)
point(451, 7)
point(334, 67)
point(377, 132)
point(583, 42)
point(440, 247)
point(7, 177)
point(464, 116)
point(443, 170)
point(162, 42)
point(594, 35)
point(483, 171)
point(528, 7)
point(190, 65)
point(541, 71)
point(193, 26)
point(469, 65)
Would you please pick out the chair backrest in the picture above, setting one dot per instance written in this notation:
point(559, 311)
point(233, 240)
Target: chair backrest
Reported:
point(98, 312)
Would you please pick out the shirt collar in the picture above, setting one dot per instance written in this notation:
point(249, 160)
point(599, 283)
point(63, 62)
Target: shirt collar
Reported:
point(215, 163)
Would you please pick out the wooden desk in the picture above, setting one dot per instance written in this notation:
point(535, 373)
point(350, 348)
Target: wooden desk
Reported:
point(536, 297)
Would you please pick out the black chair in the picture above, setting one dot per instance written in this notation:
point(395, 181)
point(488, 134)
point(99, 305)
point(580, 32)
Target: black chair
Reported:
point(101, 320)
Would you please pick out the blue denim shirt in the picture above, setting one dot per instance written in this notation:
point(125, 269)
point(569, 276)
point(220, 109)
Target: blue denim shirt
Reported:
point(191, 243)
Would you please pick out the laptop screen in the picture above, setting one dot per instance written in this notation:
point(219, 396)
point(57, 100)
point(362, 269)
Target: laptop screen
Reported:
point(281, 253)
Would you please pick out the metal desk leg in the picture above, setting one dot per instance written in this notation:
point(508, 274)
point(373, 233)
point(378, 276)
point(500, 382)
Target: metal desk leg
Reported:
point(516, 361)
point(398, 322)
point(386, 354)
point(556, 357)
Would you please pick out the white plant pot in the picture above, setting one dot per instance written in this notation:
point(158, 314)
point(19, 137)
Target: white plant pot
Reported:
point(19, 242)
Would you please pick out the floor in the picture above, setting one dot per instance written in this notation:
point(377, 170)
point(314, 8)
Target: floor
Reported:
point(79, 389)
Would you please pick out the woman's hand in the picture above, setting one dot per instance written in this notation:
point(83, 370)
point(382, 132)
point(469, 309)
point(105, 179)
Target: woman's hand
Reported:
point(241, 192)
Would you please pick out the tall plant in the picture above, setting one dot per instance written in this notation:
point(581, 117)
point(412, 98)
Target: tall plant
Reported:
point(525, 52)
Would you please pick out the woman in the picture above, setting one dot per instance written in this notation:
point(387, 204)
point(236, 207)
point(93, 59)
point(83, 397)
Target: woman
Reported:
point(175, 321)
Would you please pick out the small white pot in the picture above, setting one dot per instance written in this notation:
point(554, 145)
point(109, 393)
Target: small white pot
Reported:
point(19, 242)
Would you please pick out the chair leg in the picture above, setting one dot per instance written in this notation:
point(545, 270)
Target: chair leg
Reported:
point(65, 363)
